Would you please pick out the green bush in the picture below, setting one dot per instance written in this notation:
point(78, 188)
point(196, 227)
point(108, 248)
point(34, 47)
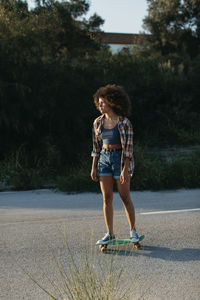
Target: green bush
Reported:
point(77, 179)
point(152, 172)
point(174, 171)
point(21, 171)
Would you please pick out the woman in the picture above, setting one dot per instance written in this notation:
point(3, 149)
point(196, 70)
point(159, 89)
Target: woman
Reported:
point(112, 154)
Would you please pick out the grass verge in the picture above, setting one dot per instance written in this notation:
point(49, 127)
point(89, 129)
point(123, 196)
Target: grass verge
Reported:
point(152, 172)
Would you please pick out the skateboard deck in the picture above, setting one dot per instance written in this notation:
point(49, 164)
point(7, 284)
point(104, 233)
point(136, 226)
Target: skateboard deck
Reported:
point(103, 247)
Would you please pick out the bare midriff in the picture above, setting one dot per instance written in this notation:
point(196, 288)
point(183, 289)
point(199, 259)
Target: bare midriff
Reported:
point(115, 146)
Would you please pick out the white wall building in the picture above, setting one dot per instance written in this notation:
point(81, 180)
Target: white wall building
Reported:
point(118, 41)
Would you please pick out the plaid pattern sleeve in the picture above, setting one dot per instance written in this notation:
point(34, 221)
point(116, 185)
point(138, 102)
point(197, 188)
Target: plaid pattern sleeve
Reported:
point(128, 147)
point(95, 138)
point(126, 132)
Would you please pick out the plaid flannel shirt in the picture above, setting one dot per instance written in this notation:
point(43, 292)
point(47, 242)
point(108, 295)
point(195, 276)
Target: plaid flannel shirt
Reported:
point(126, 135)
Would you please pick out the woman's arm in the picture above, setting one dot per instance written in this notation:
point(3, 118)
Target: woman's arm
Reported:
point(124, 173)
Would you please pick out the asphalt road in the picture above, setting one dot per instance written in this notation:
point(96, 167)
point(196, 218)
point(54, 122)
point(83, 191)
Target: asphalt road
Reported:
point(32, 223)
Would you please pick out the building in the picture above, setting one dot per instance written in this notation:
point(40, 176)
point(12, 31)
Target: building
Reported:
point(118, 41)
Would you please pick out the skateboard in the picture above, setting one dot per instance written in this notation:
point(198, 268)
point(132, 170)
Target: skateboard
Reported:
point(103, 247)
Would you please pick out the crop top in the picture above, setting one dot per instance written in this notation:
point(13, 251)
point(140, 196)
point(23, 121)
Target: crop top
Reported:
point(111, 136)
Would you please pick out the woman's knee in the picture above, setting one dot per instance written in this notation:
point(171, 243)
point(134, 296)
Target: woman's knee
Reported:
point(108, 199)
point(125, 198)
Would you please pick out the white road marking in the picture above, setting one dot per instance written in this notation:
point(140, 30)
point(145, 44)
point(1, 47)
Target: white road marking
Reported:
point(168, 211)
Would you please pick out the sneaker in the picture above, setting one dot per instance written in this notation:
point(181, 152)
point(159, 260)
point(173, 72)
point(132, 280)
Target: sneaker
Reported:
point(134, 236)
point(107, 238)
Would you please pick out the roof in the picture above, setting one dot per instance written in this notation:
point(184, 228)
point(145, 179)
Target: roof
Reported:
point(122, 38)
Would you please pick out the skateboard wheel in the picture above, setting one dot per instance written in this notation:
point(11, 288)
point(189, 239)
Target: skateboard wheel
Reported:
point(102, 248)
point(137, 245)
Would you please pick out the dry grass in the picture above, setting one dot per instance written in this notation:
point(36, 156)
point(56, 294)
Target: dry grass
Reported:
point(89, 276)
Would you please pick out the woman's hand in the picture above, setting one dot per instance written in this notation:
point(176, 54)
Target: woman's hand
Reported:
point(124, 177)
point(94, 174)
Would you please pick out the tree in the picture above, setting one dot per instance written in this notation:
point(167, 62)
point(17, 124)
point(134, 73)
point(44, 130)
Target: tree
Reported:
point(174, 26)
point(40, 52)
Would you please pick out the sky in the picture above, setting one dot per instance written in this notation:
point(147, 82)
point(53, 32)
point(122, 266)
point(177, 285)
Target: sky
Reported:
point(125, 16)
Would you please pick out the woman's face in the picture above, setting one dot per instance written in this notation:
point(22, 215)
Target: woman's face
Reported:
point(103, 106)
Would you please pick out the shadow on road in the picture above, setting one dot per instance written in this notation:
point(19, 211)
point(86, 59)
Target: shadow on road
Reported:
point(184, 254)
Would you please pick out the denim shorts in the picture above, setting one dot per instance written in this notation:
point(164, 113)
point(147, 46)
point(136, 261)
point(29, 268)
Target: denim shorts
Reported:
point(109, 163)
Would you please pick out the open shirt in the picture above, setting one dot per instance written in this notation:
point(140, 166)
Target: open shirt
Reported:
point(126, 136)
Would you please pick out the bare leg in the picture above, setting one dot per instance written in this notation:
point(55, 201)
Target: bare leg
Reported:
point(124, 192)
point(106, 184)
